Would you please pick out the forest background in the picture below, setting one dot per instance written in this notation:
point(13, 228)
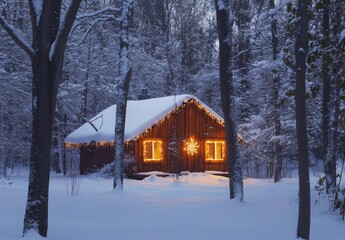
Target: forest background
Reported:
point(174, 50)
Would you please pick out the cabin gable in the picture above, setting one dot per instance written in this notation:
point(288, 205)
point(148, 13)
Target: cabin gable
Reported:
point(175, 131)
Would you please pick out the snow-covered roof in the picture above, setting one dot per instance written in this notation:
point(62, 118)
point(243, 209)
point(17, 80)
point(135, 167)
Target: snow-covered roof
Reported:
point(141, 115)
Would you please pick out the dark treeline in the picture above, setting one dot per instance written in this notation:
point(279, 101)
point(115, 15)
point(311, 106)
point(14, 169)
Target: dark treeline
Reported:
point(174, 50)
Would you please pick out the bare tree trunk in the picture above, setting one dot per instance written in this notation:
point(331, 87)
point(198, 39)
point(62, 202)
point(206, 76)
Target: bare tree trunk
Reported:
point(242, 20)
point(85, 107)
point(225, 24)
point(36, 215)
point(120, 132)
point(277, 149)
point(64, 163)
point(46, 54)
point(326, 143)
point(339, 81)
point(334, 145)
point(303, 227)
point(121, 103)
point(2, 140)
point(57, 146)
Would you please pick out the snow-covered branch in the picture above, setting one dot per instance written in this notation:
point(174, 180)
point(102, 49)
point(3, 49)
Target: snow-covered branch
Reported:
point(221, 5)
point(35, 10)
point(342, 36)
point(102, 14)
point(99, 12)
point(124, 37)
point(97, 20)
point(16, 37)
point(274, 11)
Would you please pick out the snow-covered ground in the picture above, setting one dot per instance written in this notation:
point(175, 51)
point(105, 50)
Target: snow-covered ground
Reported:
point(197, 207)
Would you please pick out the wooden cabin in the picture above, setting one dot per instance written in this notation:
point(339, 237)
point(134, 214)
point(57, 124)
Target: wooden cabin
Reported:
point(169, 134)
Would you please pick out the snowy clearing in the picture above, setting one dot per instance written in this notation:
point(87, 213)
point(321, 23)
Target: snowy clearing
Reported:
point(197, 207)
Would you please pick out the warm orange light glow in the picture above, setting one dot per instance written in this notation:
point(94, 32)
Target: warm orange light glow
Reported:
point(215, 150)
point(191, 146)
point(72, 145)
point(69, 145)
point(153, 150)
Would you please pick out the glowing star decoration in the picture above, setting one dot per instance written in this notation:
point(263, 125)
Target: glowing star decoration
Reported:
point(191, 146)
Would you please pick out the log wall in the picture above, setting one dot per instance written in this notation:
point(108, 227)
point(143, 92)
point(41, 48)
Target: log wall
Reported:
point(189, 120)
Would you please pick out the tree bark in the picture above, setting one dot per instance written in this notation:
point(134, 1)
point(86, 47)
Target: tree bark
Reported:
point(121, 103)
point(120, 132)
point(64, 160)
point(85, 107)
point(36, 214)
point(242, 20)
point(333, 153)
point(303, 227)
point(339, 80)
point(276, 112)
point(46, 54)
point(2, 140)
point(326, 92)
point(224, 25)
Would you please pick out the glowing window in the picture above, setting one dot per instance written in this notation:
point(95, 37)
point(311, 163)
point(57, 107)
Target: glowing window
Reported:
point(153, 150)
point(215, 150)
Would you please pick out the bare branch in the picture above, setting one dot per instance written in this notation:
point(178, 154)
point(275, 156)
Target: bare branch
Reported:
point(106, 14)
point(35, 11)
point(99, 12)
point(59, 44)
point(89, 29)
point(18, 39)
point(89, 122)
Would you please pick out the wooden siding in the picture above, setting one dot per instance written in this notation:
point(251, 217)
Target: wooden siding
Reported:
point(94, 156)
point(189, 120)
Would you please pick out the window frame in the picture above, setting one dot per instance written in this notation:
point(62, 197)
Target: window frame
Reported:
point(215, 142)
point(152, 141)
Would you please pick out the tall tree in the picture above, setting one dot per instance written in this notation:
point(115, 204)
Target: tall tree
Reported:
point(225, 23)
point(49, 37)
point(242, 19)
point(335, 65)
point(121, 103)
point(330, 180)
point(276, 108)
point(301, 48)
point(2, 140)
point(338, 72)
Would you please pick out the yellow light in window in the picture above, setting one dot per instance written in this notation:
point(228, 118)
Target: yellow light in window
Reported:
point(215, 150)
point(191, 146)
point(153, 150)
